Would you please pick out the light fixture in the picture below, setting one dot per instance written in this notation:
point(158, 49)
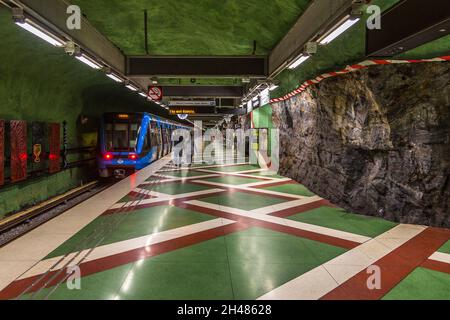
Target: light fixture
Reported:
point(143, 94)
point(88, 61)
point(273, 86)
point(300, 59)
point(114, 77)
point(131, 87)
point(339, 29)
point(40, 32)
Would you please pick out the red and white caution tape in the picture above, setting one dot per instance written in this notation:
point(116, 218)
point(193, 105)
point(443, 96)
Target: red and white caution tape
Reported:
point(352, 68)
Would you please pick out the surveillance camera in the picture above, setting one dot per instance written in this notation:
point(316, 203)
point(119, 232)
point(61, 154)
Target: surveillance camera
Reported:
point(310, 48)
point(71, 49)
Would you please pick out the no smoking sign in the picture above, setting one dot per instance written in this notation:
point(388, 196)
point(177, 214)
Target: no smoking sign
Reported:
point(155, 93)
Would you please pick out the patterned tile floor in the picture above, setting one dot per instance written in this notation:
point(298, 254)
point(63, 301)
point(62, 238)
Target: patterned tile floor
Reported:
point(234, 232)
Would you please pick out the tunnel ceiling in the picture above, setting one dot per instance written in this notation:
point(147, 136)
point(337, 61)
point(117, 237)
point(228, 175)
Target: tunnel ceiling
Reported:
point(192, 27)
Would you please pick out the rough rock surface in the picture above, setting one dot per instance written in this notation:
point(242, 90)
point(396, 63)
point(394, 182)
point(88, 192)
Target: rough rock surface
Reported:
point(375, 142)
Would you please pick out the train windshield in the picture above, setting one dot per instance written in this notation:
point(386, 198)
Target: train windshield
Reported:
point(121, 134)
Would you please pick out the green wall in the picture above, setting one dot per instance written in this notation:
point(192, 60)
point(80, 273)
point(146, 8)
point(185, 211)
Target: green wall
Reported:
point(262, 117)
point(39, 82)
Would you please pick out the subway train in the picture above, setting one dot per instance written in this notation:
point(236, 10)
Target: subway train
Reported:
point(131, 141)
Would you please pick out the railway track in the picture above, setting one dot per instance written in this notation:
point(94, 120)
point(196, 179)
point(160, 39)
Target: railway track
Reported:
point(21, 223)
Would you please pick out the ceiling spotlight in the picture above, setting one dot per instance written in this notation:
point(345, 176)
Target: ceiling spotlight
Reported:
point(154, 80)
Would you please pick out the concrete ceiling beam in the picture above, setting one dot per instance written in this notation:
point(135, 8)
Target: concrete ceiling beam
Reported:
point(54, 14)
point(318, 17)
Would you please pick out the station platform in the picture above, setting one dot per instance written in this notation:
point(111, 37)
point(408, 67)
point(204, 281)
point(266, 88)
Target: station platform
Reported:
point(223, 232)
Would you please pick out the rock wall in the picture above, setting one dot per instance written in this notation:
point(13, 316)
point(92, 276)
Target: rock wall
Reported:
point(375, 142)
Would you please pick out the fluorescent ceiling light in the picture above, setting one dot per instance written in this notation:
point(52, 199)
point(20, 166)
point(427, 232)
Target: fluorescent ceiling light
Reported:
point(347, 24)
point(143, 94)
point(89, 61)
point(41, 33)
point(131, 87)
point(302, 58)
point(114, 77)
point(273, 87)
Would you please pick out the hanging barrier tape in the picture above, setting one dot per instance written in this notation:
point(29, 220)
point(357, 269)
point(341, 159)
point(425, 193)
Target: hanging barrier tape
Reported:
point(352, 68)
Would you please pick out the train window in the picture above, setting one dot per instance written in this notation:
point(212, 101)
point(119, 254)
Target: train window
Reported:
point(121, 136)
point(147, 142)
point(134, 128)
point(154, 134)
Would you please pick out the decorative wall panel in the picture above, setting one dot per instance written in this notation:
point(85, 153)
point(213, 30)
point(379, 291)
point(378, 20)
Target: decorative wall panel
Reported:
point(55, 147)
point(19, 156)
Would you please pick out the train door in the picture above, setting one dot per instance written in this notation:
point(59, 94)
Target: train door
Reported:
point(154, 139)
point(159, 139)
point(166, 140)
point(169, 133)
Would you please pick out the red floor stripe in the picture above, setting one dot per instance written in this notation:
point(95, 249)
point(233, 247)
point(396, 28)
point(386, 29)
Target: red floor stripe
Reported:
point(394, 267)
point(273, 226)
point(436, 266)
point(300, 209)
point(17, 287)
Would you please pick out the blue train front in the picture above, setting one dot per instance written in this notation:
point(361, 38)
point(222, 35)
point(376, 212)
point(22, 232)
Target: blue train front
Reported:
point(131, 141)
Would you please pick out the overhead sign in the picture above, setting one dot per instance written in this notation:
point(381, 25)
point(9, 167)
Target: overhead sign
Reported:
point(264, 97)
point(256, 102)
point(208, 103)
point(174, 111)
point(155, 93)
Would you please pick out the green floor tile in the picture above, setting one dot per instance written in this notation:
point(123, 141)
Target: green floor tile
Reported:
point(156, 280)
point(292, 188)
point(175, 188)
point(184, 174)
point(232, 180)
point(422, 284)
point(445, 248)
point(339, 219)
point(99, 286)
point(244, 201)
point(269, 247)
point(252, 280)
point(135, 224)
point(235, 168)
point(261, 260)
point(205, 252)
